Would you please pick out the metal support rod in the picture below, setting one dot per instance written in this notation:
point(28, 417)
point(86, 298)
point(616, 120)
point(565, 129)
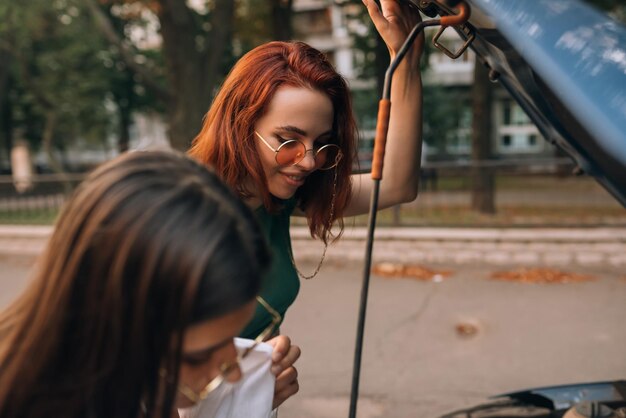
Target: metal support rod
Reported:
point(377, 170)
point(377, 166)
point(356, 371)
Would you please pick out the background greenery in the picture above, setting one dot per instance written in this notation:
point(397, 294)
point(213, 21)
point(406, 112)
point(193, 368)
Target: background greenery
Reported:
point(75, 72)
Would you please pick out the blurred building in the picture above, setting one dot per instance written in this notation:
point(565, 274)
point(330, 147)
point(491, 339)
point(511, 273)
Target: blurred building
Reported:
point(325, 24)
point(514, 134)
point(330, 26)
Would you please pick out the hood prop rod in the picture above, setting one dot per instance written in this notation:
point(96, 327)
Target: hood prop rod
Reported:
point(382, 126)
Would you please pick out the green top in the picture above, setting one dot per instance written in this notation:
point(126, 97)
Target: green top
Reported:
point(281, 283)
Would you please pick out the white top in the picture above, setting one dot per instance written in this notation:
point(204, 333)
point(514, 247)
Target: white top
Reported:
point(251, 397)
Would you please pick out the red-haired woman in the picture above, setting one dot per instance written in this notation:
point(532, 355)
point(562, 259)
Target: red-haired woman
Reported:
point(281, 132)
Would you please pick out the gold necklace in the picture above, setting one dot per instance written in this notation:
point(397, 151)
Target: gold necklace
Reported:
point(330, 220)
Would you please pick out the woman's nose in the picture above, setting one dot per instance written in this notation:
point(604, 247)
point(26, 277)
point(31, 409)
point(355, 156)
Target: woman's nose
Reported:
point(234, 371)
point(235, 374)
point(308, 162)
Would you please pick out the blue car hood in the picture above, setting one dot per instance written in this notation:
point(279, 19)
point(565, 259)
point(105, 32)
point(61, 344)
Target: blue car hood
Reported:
point(564, 62)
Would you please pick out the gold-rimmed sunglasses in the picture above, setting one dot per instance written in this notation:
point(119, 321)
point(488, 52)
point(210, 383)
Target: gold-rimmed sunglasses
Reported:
point(230, 366)
point(292, 151)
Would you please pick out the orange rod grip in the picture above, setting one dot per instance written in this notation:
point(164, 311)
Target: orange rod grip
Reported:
point(461, 17)
point(382, 126)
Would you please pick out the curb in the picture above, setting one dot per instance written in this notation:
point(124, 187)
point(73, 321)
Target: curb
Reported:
point(502, 246)
point(23, 240)
point(598, 234)
point(602, 234)
point(506, 246)
point(25, 231)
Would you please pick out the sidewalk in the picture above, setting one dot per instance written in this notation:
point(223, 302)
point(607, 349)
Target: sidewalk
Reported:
point(536, 246)
point(549, 246)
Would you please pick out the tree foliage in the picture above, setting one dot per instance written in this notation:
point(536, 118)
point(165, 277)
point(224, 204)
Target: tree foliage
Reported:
point(57, 83)
point(77, 70)
point(198, 42)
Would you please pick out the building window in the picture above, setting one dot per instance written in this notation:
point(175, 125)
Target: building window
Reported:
point(516, 132)
point(512, 114)
point(506, 112)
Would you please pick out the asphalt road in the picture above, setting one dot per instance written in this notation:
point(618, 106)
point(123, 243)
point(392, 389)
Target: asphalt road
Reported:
point(415, 362)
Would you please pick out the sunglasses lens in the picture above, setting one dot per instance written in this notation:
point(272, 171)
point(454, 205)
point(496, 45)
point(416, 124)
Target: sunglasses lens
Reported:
point(327, 157)
point(290, 153)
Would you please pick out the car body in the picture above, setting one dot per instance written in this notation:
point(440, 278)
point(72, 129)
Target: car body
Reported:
point(564, 62)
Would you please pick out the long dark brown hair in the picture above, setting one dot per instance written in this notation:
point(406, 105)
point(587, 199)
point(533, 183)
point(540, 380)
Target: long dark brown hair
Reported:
point(227, 140)
point(149, 244)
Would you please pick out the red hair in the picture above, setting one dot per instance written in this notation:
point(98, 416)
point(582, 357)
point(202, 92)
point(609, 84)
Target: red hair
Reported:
point(226, 140)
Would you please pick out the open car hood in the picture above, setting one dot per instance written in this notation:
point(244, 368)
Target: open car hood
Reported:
point(564, 62)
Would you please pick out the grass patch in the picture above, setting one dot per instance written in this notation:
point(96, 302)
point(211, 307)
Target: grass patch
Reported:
point(463, 216)
point(519, 182)
point(29, 217)
point(530, 200)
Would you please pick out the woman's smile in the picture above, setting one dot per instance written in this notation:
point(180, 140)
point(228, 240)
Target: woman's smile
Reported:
point(294, 179)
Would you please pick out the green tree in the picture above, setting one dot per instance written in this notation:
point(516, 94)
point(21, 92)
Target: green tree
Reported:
point(443, 112)
point(5, 106)
point(198, 47)
point(58, 84)
point(442, 109)
point(126, 92)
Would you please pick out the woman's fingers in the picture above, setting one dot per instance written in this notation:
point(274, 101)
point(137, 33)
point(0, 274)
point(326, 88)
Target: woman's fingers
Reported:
point(286, 386)
point(286, 378)
point(394, 20)
point(284, 354)
point(286, 361)
point(375, 14)
point(281, 346)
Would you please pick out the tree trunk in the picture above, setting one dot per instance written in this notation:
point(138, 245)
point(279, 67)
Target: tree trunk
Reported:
point(193, 71)
point(51, 119)
point(193, 58)
point(6, 117)
point(281, 20)
point(482, 177)
point(124, 100)
point(123, 141)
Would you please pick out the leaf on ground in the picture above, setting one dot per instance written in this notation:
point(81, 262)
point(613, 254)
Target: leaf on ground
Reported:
point(540, 275)
point(414, 271)
point(466, 329)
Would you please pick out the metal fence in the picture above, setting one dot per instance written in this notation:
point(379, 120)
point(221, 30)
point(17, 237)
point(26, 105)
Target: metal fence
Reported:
point(37, 199)
point(526, 192)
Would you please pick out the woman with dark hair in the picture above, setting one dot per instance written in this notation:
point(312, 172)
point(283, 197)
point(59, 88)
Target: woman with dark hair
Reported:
point(152, 270)
point(282, 134)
